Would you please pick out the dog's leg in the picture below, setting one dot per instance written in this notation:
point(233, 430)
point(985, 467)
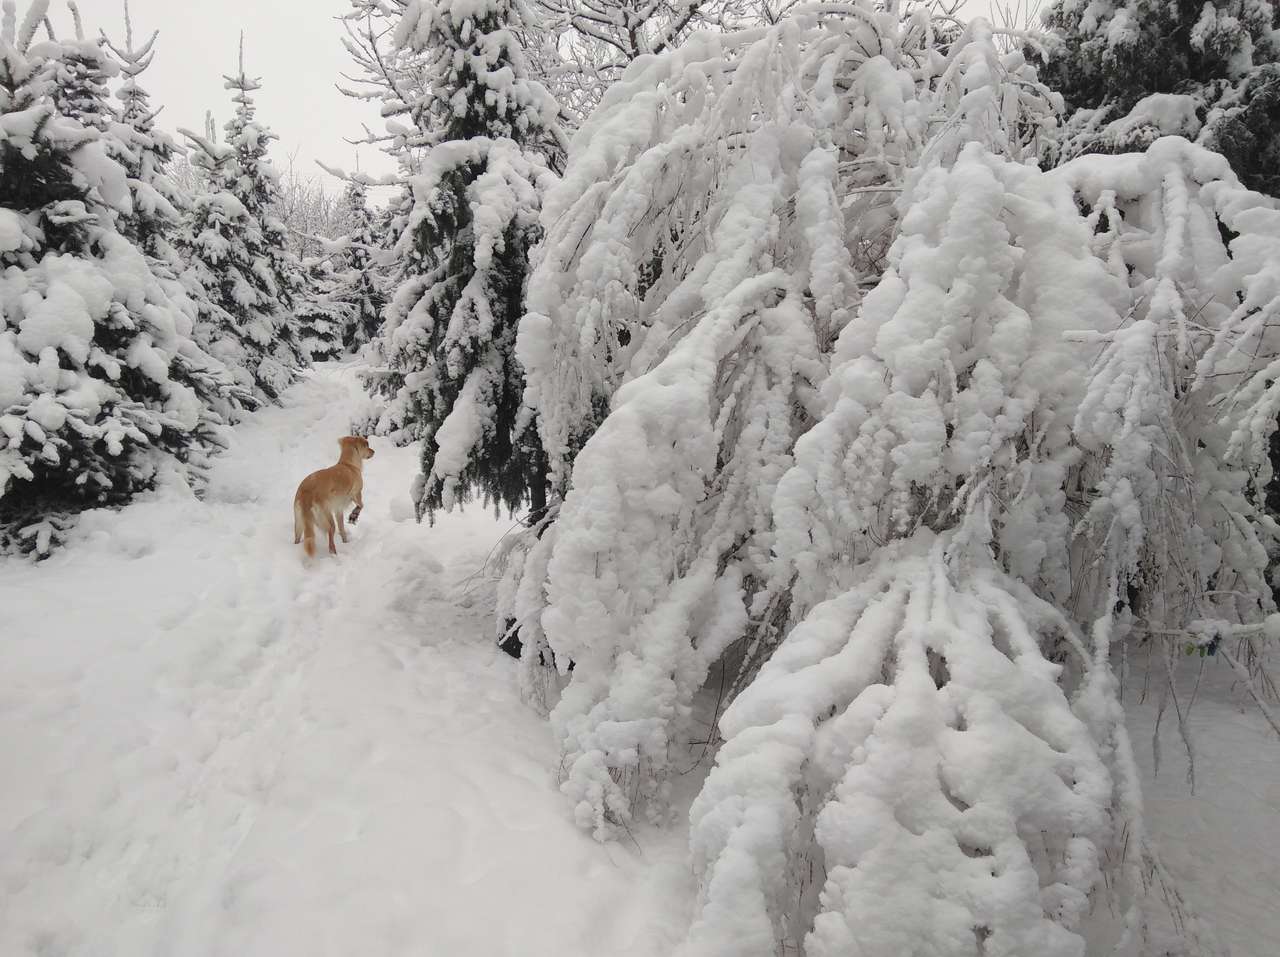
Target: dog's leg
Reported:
point(342, 527)
point(329, 527)
point(308, 532)
point(297, 521)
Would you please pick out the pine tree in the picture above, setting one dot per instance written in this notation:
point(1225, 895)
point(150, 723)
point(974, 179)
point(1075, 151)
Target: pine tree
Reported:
point(101, 386)
point(1134, 70)
point(360, 281)
point(322, 316)
point(158, 201)
point(485, 132)
point(81, 77)
point(156, 215)
point(236, 250)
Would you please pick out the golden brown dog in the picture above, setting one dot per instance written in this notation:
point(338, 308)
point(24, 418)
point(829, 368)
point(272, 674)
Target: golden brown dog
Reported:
point(324, 494)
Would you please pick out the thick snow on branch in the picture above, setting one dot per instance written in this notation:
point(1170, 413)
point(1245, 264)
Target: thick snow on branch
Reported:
point(906, 739)
point(951, 399)
point(698, 265)
point(959, 416)
point(1172, 510)
point(637, 203)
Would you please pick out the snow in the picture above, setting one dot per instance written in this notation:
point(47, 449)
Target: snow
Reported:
point(210, 748)
point(64, 318)
point(11, 233)
point(1220, 841)
point(920, 785)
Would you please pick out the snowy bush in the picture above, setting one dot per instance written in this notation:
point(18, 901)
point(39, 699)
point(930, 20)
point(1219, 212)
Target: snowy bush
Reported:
point(956, 407)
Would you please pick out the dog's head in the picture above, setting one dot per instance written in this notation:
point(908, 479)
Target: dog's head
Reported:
point(357, 444)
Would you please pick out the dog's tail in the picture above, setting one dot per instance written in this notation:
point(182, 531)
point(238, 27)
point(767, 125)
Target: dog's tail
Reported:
point(304, 528)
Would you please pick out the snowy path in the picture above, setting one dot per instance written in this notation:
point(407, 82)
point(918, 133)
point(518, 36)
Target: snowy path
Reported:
point(208, 749)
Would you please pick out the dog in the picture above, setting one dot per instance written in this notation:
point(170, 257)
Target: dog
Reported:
point(323, 495)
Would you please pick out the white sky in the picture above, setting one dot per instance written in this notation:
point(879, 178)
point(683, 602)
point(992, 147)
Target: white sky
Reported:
point(295, 46)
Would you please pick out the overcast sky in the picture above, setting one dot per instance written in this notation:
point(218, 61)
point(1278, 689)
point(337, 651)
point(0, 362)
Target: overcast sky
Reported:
point(295, 46)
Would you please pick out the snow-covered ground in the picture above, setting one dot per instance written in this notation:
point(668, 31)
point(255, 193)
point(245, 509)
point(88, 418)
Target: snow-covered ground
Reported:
point(207, 748)
point(1222, 842)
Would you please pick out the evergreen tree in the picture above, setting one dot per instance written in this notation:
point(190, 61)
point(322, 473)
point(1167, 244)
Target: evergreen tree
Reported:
point(1131, 71)
point(158, 201)
point(101, 385)
point(360, 282)
point(323, 317)
point(237, 251)
point(156, 214)
point(81, 77)
point(485, 131)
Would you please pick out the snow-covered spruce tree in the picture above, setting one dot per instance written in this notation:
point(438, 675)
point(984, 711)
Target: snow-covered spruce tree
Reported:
point(153, 223)
point(322, 316)
point(359, 279)
point(700, 255)
point(485, 132)
point(82, 73)
point(158, 201)
point(236, 250)
point(1134, 70)
point(100, 382)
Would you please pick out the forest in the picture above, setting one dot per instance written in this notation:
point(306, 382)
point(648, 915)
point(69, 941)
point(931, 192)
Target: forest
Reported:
point(869, 396)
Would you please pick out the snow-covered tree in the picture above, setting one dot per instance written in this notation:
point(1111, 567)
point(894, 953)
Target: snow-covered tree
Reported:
point(1134, 70)
point(360, 277)
point(321, 314)
point(905, 562)
point(485, 131)
point(969, 414)
point(82, 74)
point(158, 205)
point(158, 201)
point(102, 387)
point(710, 284)
point(237, 250)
